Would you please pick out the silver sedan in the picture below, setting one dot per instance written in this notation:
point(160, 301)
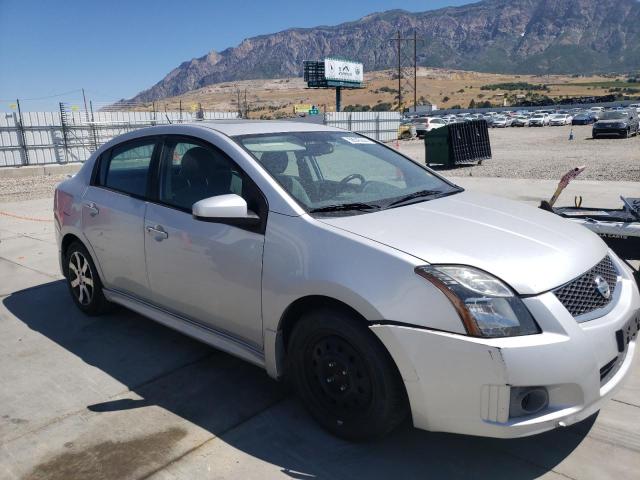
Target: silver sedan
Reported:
point(378, 288)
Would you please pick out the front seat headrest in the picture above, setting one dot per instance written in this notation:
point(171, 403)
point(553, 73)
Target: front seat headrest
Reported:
point(197, 164)
point(275, 162)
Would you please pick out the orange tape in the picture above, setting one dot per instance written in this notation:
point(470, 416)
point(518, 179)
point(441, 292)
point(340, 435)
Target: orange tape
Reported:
point(20, 217)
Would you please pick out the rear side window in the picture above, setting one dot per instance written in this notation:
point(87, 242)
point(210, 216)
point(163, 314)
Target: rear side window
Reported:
point(127, 167)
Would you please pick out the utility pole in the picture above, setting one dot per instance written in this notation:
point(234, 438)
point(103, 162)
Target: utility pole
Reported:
point(399, 40)
point(414, 63)
point(415, 71)
point(239, 104)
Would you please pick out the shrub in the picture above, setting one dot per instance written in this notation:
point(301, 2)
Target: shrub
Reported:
point(514, 86)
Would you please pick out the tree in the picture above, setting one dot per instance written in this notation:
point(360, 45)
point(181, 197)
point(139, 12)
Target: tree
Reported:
point(472, 103)
point(445, 99)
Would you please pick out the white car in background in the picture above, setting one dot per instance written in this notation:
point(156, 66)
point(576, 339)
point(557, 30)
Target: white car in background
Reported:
point(539, 120)
point(502, 121)
point(636, 106)
point(560, 119)
point(426, 124)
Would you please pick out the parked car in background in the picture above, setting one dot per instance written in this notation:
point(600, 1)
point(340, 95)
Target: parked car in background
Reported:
point(539, 120)
point(488, 119)
point(623, 123)
point(584, 118)
point(521, 121)
point(502, 121)
point(560, 119)
point(426, 124)
point(406, 130)
point(636, 106)
point(369, 282)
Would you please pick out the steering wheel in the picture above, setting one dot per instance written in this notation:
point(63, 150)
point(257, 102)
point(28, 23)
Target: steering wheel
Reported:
point(343, 183)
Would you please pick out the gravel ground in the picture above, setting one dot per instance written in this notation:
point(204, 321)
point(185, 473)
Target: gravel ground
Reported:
point(28, 188)
point(546, 153)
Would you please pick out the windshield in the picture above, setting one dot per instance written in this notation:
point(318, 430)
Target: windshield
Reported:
point(343, 171)
point(617, 115)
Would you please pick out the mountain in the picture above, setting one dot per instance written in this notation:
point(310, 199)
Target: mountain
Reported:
point(500, 36)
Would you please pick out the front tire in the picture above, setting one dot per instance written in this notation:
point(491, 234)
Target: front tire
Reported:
point(83, 281)
point(345, 376)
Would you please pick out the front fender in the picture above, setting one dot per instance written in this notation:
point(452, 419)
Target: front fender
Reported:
point(303, 257)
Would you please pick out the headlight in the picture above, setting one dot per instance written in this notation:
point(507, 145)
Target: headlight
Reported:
point(487, 307)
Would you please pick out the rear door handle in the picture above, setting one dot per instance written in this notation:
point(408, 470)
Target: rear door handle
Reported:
point(93, 208)
point(157, 231)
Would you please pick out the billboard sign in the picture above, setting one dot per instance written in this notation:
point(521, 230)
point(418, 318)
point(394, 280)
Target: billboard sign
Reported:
point(343, 70)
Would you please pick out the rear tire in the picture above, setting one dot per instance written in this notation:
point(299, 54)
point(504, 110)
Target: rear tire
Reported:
point(83, 281)
point(345, 376)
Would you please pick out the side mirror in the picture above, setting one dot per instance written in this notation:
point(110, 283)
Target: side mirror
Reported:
point(223, 209)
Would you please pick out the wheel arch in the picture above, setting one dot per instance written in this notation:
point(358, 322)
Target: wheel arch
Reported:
point(293, 313)
point(67, 239)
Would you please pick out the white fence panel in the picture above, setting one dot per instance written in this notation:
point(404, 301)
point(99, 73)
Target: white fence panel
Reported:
point(43, 137)
point(382, 126)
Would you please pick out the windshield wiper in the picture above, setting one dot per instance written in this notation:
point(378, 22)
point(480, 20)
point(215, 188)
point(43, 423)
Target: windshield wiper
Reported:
point(413, 196)
point(345, 207)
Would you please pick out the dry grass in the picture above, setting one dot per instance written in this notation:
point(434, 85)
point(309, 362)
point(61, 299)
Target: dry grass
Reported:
point(276, 97)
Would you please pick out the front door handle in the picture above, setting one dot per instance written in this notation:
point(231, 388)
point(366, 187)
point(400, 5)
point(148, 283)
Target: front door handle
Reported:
point(157, 231)
point(93, 208)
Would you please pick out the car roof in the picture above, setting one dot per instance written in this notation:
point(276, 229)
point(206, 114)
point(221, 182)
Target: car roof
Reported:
point(236, 127)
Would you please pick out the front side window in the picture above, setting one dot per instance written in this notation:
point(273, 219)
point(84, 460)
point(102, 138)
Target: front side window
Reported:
point(127, 169)
point(192, 172)
point(342, 172)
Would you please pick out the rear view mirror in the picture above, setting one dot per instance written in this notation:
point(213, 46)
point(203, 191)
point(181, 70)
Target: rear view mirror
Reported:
point(223, 207)
point(316, 149)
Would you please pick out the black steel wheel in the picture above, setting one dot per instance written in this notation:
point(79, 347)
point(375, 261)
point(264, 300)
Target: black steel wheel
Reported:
point(83, 281)
point(345, 376)
point(341, 381)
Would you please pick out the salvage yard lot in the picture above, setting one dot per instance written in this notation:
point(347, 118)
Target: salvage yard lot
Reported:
point(122, 397)
point(547, 153)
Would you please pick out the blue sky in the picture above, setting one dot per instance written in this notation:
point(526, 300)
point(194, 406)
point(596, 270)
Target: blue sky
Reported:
point(114, 48)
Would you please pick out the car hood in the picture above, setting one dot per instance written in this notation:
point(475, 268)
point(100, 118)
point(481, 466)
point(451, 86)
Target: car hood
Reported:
point(530, 249)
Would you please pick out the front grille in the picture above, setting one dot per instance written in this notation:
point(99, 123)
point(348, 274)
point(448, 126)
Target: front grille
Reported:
point(580, 296)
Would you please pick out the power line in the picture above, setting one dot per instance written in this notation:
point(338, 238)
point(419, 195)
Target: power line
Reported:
point(43, 98)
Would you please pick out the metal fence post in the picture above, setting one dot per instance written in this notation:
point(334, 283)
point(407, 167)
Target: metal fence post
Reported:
point(22, 137)
point(65, 140)
point(378, 127)
point(94, 132)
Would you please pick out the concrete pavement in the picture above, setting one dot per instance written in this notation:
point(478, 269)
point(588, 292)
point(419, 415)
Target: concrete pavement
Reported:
point(120, 396)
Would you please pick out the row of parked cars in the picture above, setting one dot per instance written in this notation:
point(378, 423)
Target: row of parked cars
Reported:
point(621, 121)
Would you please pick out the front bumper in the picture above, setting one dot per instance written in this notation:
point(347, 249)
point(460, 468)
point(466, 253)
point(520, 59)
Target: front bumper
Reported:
point(609, 131)
point(462, 384)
